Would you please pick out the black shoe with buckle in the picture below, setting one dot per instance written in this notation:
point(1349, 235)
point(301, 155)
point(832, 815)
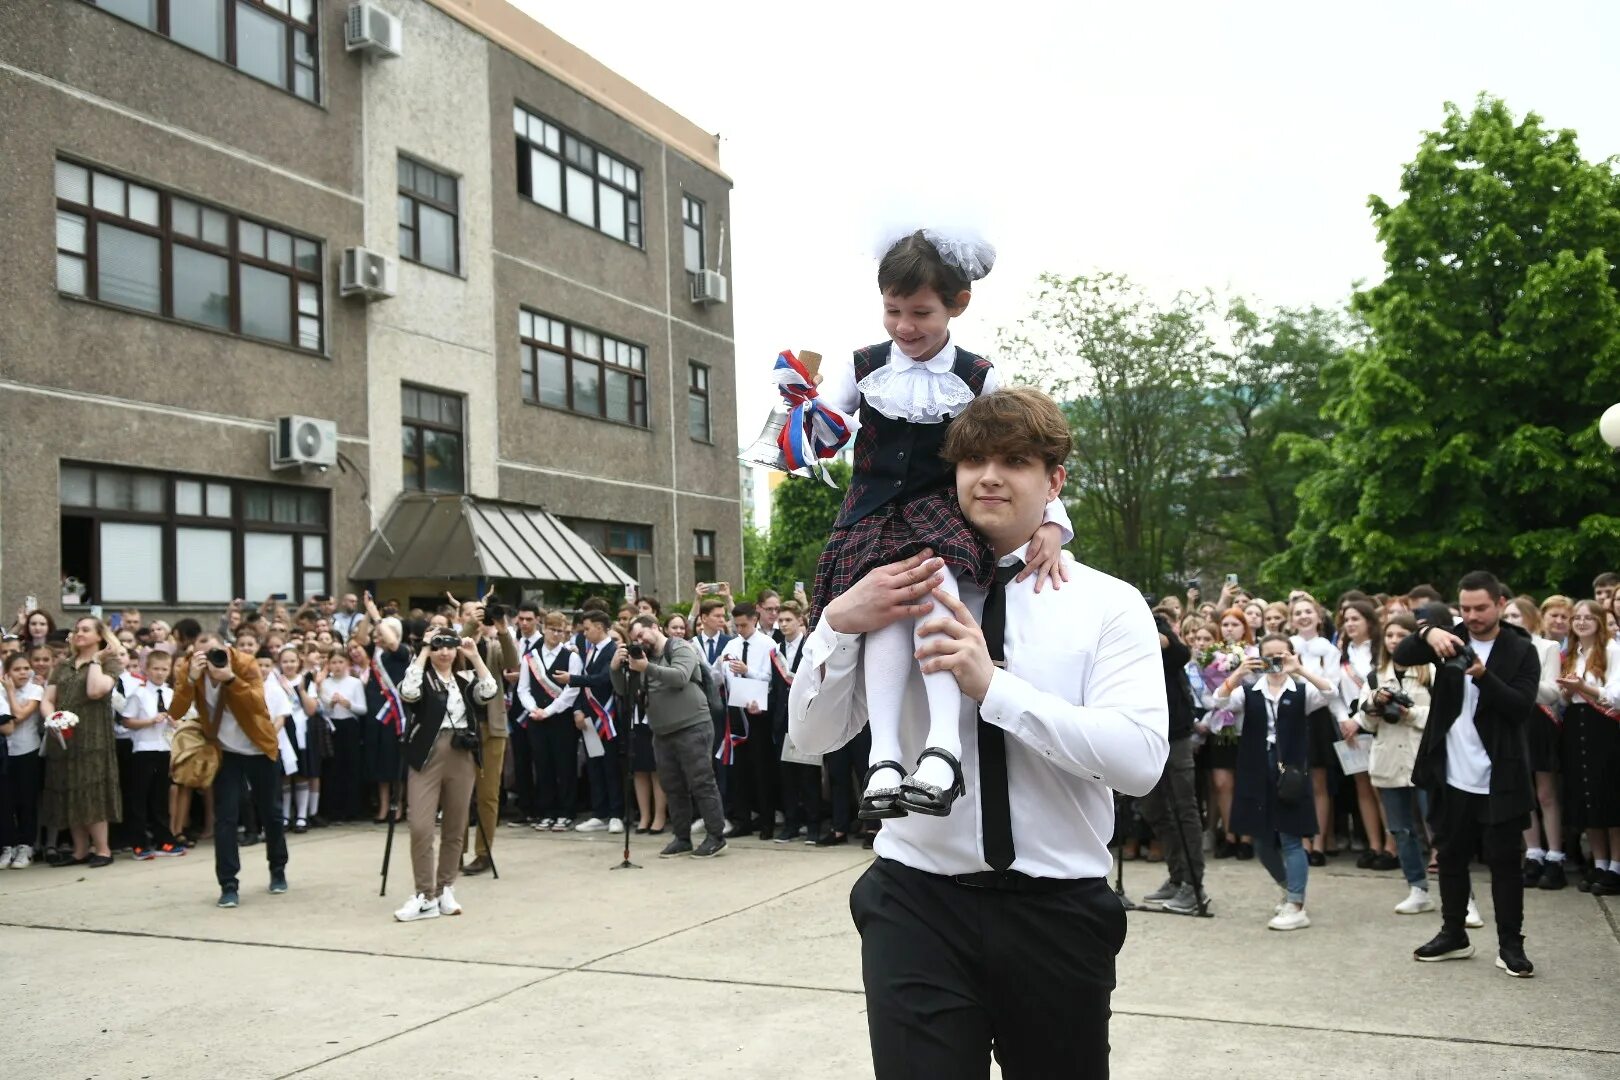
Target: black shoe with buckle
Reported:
point(881, 802)
point(920, 797)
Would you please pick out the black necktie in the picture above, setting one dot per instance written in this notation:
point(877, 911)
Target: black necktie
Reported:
point(745, 654)
point(993, 802)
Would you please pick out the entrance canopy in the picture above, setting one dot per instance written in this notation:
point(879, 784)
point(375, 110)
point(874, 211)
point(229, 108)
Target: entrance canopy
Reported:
point(457, 536)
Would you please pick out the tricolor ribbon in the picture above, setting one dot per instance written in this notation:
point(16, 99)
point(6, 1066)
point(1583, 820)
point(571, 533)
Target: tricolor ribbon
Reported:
point(781, 667)
point(543, 677)
point(813, 431)
point(392, 713)
point(729, 742)
point(602, 716)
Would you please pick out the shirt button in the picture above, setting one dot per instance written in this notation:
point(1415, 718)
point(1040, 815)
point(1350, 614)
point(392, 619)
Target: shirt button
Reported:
point(897, 483)
point(901, 455)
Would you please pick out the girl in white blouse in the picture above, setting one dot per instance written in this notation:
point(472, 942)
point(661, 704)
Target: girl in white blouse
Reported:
point(1590, 685)
point(1318, 656)
point(1359, 656)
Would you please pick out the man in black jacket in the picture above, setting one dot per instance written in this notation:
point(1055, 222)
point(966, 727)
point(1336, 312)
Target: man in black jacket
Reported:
point(1473, 760)
point(1171, 808)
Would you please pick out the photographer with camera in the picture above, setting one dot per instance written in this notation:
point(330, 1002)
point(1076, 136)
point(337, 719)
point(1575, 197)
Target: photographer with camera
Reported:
point(1272, 801)
point(673, 673)
point(225, 686)
point(444, 701)
point(1171, 808)
point(1394, 706)
point(486, 622)
point(1473, 761)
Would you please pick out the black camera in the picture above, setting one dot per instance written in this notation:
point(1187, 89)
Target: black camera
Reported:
point(493, 612)
point(1464, 658)
point(464, 738)
point(444, 641)
point(1274, 664)
point(1391, 710)
point(635, 651)
point(219, 658)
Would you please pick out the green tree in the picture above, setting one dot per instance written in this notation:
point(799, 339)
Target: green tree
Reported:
point(803, 511)
point(1466, 427)
point(1133, 376)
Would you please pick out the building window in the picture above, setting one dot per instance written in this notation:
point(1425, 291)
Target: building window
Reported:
point(128, 244)
point(692, 233)
point(563, 172)
point(273, 40)
point(702, 556)
point(160, 538)
point(697, 402)
point(428, 221)
point(431, 440)
point(568, 367)
point(624, 545)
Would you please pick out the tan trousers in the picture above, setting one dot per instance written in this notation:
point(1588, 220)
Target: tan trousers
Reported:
point(447, 784)
point(489, 789)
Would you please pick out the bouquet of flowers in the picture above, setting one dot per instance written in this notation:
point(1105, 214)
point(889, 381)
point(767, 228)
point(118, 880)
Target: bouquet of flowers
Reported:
point(61, 724)
point(1217, 663)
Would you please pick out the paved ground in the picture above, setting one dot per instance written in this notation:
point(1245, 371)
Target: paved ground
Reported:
point(741, 968)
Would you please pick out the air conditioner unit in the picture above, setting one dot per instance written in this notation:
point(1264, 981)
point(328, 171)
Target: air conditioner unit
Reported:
point(367, 273)
point(708, 287)
point(303, 440)
point(371, 29)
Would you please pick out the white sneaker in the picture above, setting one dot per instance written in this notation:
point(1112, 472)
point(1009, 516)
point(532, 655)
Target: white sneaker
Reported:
point(447, 902)
point(616, 825)
point(1291, 917)
point(22, 858)
point(544, 824)
point(594, 824)
point(1472, 920)
point(1417, 901)
point(418, 907)
point(6, 854)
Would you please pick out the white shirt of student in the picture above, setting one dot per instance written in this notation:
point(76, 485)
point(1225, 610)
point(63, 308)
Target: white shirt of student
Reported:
point(1360, 660)
point(1320, 656)
point(350, 689)
point(231, 735)
point(27, 736)
point(760, 650)
point(1609, 688)
point(1082, 700)
point(148, 702)
point(546, 658)
point(1468, 766)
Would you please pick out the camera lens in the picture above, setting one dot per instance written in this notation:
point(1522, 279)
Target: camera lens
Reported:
point(219, 658)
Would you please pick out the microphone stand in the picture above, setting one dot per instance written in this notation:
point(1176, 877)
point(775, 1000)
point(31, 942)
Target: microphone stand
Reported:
point(633, 679)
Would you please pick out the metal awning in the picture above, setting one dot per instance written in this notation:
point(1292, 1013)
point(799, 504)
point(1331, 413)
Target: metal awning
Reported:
point(458, 536)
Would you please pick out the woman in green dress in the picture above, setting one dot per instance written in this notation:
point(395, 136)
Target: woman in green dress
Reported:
point(81, 779)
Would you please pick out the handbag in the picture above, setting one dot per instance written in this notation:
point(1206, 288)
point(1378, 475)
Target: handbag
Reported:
point(1293, 784)
point(193, 757)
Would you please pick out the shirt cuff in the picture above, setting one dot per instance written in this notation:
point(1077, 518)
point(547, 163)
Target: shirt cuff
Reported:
point(826, 646)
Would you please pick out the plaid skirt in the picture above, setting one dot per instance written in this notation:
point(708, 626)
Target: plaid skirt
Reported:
point(898, 531)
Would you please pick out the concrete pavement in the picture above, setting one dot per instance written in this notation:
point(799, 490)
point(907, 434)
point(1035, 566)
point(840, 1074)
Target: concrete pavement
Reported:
point(745, 966)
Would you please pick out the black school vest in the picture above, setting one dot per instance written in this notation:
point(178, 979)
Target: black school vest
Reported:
point(896, 459)
point(559, 666)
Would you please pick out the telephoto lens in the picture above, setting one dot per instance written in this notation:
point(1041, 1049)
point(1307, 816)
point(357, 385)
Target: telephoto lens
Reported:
point(219, 658)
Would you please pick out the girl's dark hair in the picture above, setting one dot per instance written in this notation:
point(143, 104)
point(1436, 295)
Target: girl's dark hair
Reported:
point(1375, 632)
point(1284, 638)
point(50, 624)
point(913, 264)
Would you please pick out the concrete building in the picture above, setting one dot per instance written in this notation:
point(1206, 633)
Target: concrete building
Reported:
point(183, 182)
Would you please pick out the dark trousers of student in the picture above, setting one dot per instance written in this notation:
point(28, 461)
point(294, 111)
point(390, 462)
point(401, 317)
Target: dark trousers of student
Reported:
point(953, 971)
point(259, 778)
point(8, 824)
point(606, 774)
point(146, 809)
point(554, 748)
point(1461, 827)
point(121, 834)
point(845, 768)
point(801, 797)
point(340, 779)
point(23, 776)
point(753, 775)
point(525, 737)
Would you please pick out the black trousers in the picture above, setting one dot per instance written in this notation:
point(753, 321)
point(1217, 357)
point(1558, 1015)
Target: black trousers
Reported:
point(23, 777)
point(952, 972)
point(554, 744)
point(845, 768)
point(121, 834)
point(753, 775)
point(260, 778)
point(147, 807)
point(523, 740)
point(1461, 827)
point(341, 796)
point(801, 797)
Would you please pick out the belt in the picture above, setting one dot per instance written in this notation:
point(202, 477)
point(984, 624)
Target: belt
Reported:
point(1016, 882)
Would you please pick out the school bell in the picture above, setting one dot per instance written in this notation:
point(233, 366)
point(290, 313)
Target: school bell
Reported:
point(766, 450)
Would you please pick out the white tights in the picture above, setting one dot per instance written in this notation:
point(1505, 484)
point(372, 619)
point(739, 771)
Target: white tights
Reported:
point(888, 660)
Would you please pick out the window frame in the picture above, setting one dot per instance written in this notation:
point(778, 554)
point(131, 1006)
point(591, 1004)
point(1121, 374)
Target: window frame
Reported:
point(291, 26)
point(588, 528)
point(634, 198)
point(705, 567)
point(439, 426)
point(168, 239)
point(696, 393)
point(697, 221)
point(170, 520)
point(417, 201)
point(531, 346)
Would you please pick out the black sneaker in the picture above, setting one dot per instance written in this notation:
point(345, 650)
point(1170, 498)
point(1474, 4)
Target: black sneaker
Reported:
point(1315, 858)
point(278, 882)
point(676, 848)
point(711, 846)
point(1511, 959)
point(1606, 883)
point(1245, 851)
point(1552, 876)
point(1446, 945)
point(831, 839)
point(1533, 869)
point(227, 898)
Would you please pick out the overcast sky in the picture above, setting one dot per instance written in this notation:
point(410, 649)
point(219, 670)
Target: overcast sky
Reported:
point(1186, 144)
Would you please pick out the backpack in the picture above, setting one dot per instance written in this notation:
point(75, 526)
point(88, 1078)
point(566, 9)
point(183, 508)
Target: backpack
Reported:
point(705, 678)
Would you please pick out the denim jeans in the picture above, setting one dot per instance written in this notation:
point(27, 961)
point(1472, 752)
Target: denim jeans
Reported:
point(1398, 818)
point(1283, 854)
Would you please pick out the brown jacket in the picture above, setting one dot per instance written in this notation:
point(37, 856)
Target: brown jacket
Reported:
point(504, 659)
point(243, 695)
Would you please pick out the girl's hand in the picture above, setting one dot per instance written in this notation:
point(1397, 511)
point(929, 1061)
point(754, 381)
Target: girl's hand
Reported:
point(1252, 665)
point(1044, 557)
point(468, 648)
point(1292, 666)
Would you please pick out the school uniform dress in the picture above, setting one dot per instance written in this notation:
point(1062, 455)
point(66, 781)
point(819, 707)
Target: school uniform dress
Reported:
point(1319, 656)
point(1592, 746)
point(994, 926)
point(1544, 729)
point(382, 740)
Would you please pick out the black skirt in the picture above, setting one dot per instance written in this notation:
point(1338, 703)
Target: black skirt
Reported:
point(898, 530)
point(1592, 766)
point(1220, 753)
point(1324, 732)
point(1545, 741)
point(641, 749)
